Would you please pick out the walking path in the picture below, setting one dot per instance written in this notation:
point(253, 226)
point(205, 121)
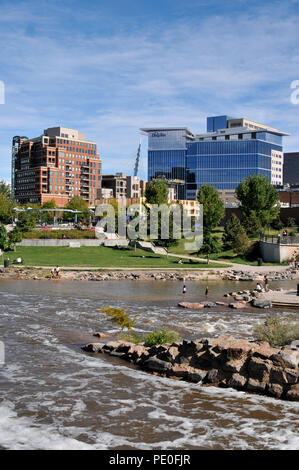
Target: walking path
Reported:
point(235, 266)
point(284, 298)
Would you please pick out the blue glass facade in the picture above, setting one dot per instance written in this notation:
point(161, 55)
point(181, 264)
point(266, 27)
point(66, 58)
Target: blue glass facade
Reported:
point(222, 158)
point(223, 164)
point(215, 123)
point(167, 154)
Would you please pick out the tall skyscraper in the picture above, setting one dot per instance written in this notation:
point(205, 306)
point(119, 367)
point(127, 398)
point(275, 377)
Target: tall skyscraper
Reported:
point(230, 150)
point(57, 165)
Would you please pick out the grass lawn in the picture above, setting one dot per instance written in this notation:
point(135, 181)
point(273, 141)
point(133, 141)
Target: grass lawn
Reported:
point(225, 256)
point(99, 257)
point(229, 256)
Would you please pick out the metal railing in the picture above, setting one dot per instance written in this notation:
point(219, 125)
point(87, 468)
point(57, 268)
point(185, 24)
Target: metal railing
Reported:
point(282, 240)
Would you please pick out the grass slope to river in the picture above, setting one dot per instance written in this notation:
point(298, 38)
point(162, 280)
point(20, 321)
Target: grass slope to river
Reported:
point(100, 257)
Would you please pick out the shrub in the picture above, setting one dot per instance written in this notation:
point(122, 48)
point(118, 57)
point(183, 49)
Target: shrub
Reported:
point(161, 337)
point(120, 317)
point(234, 236)
point(58, 234)
point(278, 331)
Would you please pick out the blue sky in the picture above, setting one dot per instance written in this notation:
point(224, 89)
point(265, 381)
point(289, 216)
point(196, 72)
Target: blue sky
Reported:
point(108, 68)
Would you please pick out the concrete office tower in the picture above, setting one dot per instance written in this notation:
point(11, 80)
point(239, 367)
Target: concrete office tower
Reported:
point(57, 165)
point(228, 152)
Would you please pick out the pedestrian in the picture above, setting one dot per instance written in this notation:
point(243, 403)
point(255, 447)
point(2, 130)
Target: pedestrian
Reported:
point(184, 291)
point(278, 238)
point(207, 292)
point(53, 273)
point(208, 258)
point(57, 272)
point(266, 281)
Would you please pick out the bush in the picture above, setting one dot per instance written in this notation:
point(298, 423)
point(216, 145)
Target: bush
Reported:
point(278, 331)
point(161, 337)
point(120, 317)
point(58, 234)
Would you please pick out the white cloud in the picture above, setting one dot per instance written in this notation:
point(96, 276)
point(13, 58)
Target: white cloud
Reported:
point(109, 85)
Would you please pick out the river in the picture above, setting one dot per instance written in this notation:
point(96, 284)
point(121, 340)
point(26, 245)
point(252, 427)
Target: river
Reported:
point(55, 396)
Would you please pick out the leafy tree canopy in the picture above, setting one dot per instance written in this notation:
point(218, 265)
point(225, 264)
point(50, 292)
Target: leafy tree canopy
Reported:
point(213, 206)
point(258, 198)
point(157, 192)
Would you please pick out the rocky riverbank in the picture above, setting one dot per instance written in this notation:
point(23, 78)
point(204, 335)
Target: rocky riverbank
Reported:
point(253, 367)
point(144, 275)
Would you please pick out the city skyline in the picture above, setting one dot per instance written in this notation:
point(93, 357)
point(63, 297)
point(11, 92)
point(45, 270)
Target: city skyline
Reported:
point(110, 69)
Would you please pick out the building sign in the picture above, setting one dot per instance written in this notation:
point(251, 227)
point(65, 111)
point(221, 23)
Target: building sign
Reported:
point(158, 134)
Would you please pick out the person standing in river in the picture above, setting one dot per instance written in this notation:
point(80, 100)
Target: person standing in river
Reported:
point(184, 291)
point(207, 292)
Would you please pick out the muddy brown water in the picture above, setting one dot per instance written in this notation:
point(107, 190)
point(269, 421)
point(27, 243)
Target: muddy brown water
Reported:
point(55, 396)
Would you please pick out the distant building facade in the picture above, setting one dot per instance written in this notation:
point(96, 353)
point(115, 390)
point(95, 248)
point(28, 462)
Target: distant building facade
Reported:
point(117, 182)
point(57, 165)
point(291, 168)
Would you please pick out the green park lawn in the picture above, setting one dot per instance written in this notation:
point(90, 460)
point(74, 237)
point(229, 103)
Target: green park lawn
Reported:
point(100, 257)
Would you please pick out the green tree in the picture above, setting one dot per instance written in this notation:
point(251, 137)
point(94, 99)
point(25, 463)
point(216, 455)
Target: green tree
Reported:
point(79, 204)
point(252, 225)
point(210, 244)
point(213, 207)
point(258, 199)
point(48, 216)
point(5, 191)
point(235, 237)
point(6, 210)
point(26, 221)
point(156, 192)
point(15, 236)
point(3, 238)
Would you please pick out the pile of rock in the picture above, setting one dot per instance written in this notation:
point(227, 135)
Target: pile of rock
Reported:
point(246, 298)
point(233, 275)
point(225, 362)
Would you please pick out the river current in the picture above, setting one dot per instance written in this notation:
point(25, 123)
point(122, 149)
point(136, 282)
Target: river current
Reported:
point(55, 396)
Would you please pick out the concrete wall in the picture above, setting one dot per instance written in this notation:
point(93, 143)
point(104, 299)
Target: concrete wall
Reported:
point(277, 253)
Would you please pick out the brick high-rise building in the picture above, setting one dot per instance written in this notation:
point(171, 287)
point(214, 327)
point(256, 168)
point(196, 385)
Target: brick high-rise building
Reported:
point(57, 165)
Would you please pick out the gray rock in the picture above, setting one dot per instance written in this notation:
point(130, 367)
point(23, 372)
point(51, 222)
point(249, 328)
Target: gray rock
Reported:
point(196, 376)
point(93, 347)
point(261, 303)
point(237, 381)
point(157, 365)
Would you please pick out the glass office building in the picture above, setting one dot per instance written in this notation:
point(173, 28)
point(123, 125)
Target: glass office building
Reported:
point(224, 163)
point(221, 157)
point(167, 150)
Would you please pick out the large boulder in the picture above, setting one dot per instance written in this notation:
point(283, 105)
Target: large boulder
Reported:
point(237, 381)
point(293, 393)
point(93, 347)
point(261, 303)
point(259, 369)
point(286, 358)
point(157, 365)
point(191, 305)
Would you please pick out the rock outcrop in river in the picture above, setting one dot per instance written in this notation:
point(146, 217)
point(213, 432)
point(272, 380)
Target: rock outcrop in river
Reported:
point(225, 362)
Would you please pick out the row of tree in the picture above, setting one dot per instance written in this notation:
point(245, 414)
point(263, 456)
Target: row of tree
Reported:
point(259, 206)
